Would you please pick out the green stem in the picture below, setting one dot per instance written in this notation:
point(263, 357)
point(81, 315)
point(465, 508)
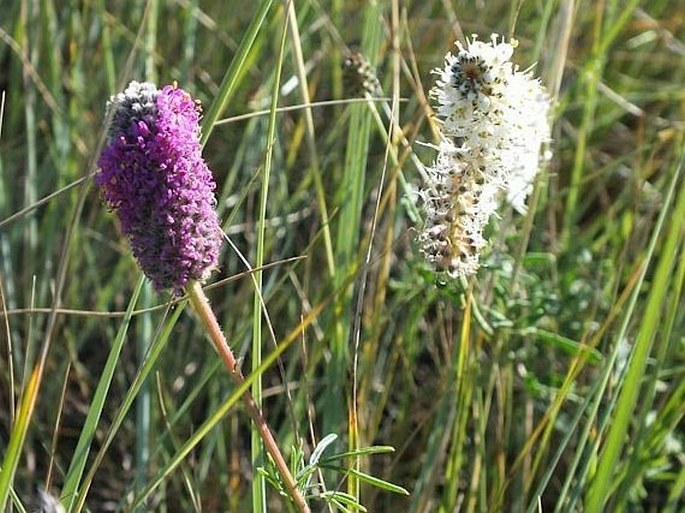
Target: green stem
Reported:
point(201, 304)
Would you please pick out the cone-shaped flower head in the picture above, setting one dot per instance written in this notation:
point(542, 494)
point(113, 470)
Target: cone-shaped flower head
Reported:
point(153, 176)
point(494, 123)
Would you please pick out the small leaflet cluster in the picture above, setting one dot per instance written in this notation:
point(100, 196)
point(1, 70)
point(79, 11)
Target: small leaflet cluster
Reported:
point(494, 124)
point(153, 176)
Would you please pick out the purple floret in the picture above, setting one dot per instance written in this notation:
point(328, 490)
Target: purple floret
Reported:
point(153, 175)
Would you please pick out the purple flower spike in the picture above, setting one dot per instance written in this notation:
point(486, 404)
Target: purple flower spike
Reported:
point(153, 176)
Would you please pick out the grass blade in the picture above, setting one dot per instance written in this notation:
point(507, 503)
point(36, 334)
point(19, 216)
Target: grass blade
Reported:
point(598, 493)
point(80, 457)
point(234, 71)
point(150, 361)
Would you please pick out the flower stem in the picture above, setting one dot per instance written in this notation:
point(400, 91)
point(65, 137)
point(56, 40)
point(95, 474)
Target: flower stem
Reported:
point(201, 304)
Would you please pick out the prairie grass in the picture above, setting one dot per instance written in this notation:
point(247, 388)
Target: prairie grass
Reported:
point(553, 381)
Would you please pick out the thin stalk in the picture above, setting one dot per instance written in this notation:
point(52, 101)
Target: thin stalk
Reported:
point(604, 34)
point(143, 402)
point(311, 139)
point(107, 54)
point(145, 328)
point(259, 482)
point(72, 478)
point(201, 304)
point(600, 488)
point(173, 311)
point(30, 394)
point(349, 230)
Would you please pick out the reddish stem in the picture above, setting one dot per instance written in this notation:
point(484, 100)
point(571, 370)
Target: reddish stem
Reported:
point(201, 304)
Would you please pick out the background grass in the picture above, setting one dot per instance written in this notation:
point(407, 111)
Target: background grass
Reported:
point(552, 382)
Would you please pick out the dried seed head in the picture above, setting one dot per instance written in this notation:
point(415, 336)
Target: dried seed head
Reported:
point(359, 77)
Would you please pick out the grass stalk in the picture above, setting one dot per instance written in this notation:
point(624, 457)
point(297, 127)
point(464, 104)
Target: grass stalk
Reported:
point(72, 478)
point(310, 134)
point(151, 359)
point(603, 481)
point(259, 437)
point(231, 78)
point(349, 231)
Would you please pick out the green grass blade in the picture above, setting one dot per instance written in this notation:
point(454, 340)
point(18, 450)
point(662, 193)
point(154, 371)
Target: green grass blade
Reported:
point(668, 415)
point(342, 501)
point(362, 451)
point(234, 71)
point(258, 459)
point(602, 482)
point(144, 331)
point(592, 78)
point(107, 51)
point(150, 361)
point(144, 335)
point(191, 443)
point(310, 134)
point(80, 457)
point(378, 483)
point(547, 475)
point(18, 435)
point(675, 497)
point(349, 229)
point(567, 345)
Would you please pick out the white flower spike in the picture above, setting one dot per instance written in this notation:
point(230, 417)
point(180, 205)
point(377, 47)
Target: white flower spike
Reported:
point(494, 123)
